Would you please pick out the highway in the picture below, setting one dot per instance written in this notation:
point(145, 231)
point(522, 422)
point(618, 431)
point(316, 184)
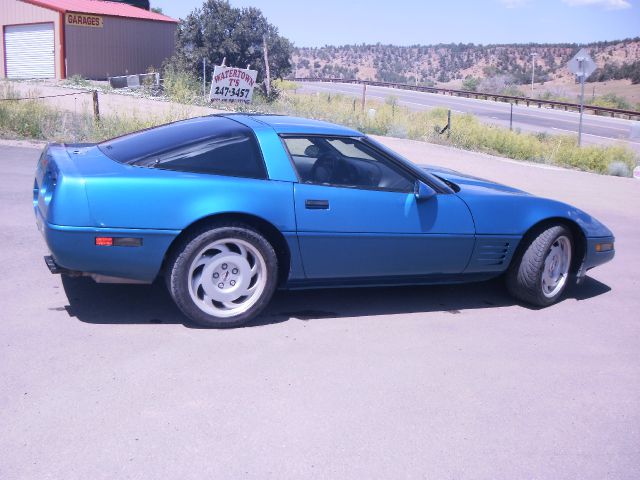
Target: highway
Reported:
point(596, 130)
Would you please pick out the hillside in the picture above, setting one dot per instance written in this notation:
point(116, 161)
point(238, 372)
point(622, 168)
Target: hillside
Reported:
point(447, 63)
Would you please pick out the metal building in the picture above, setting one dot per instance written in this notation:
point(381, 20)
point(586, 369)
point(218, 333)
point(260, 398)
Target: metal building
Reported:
point(92, 38)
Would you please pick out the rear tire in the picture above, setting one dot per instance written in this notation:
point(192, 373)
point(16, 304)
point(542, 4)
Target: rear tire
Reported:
point(224, 276)
point(540, 275)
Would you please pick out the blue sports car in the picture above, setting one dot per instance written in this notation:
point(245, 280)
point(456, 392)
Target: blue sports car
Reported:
point(227, 208)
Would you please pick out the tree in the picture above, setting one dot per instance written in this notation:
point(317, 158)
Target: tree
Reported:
point(136, 3)
point(217, 30)
point(470, 83)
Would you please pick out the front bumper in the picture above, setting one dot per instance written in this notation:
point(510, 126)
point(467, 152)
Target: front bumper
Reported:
point(593, 257)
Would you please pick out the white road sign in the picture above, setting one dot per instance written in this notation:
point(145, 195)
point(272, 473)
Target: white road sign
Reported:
point(582, 64)
point(231, 83)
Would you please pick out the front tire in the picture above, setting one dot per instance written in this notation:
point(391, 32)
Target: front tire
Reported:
point(539, 276)
point(223, 277)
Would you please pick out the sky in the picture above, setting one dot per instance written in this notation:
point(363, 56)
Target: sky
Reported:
point(409, 22)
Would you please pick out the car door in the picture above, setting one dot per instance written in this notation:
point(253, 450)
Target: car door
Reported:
point(366, 221)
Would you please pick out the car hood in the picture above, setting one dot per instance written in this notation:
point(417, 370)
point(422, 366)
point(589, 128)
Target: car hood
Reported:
point(499, 209)
point(464, 181)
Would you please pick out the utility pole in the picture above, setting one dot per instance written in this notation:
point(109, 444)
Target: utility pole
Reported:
point(267, 80)
point(533, 70)
point(204, 77)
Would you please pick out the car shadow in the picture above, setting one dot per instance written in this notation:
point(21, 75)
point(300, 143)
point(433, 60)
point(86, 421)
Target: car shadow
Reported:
point(95, 303)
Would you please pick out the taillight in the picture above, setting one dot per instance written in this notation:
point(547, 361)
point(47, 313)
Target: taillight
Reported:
point(104, 241)
point(118, 242)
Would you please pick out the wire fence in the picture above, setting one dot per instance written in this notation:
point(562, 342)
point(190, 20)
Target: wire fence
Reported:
point(94, 94)
point(42, 97)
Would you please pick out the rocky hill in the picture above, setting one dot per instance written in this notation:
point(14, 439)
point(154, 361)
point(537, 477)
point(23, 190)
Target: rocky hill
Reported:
point(446, 63)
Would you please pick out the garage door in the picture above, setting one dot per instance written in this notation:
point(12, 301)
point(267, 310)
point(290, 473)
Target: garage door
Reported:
point(29, 51)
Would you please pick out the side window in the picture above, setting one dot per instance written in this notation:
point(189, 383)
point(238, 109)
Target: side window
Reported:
point(234, 154)
point(345, 162)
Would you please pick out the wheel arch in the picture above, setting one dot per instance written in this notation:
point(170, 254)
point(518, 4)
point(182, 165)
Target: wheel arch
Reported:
point(262, 226)
point(579, 239)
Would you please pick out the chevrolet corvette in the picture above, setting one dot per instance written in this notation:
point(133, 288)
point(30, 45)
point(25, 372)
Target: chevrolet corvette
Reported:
point(227, 208)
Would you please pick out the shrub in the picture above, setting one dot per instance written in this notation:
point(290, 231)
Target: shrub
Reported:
point(181, 86)
point(285, 85)
point(611, 100)
point(619, 169)
point(78, 80)
point(398, 131)
point(470, 83)
point(557, 95)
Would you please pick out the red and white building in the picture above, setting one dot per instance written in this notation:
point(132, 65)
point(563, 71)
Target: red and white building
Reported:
point(92, 38)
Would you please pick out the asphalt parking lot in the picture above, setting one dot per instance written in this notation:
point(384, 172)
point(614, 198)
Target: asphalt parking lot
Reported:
point(446, 382)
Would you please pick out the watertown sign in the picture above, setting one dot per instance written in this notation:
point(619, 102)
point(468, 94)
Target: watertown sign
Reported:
point(231, 83)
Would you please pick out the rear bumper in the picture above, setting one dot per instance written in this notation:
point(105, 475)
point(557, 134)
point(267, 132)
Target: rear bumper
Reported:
point(56, 269)
point(74, 251)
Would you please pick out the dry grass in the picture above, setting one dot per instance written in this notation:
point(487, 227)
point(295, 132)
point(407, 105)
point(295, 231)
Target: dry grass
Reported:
point(37, 120)
point(592, 91)
point(34, 119)
point(387, 118)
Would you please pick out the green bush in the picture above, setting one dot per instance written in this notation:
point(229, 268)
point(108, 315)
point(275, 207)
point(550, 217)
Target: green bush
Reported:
point(611, 100)
point(470, 83)
point(285, 85)
point(619, 169)
point(181, 86)
point(513, 91)
point(77, 80)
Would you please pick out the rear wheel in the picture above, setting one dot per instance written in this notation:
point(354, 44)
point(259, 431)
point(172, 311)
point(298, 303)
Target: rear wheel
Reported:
point(223, 277)
point(541, 274)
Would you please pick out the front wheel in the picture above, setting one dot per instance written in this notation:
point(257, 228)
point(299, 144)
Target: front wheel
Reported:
point(541, 274)
point(223, 277)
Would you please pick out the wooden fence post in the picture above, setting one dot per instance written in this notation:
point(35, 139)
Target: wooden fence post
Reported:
point(364, 95)
point(96, 106)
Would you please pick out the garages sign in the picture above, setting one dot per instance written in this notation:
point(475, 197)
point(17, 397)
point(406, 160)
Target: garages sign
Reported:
point(81, 20)
point(231, 83)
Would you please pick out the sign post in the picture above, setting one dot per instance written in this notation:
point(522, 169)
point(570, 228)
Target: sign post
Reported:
point(582, 65)
point(230, 83)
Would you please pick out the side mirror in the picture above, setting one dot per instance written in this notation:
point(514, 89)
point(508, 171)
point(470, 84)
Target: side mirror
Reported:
point(423, 191)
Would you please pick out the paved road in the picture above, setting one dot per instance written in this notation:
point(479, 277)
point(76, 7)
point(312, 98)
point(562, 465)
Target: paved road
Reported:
point(103, 382)
point(597, 130)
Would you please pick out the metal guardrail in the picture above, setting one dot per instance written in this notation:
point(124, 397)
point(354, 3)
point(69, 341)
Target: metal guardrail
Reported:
point(485, 96)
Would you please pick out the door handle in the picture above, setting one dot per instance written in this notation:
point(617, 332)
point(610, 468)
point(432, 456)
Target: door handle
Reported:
point(316, 204)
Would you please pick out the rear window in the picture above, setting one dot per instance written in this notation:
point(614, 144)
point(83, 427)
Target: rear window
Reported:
point(214, 145)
